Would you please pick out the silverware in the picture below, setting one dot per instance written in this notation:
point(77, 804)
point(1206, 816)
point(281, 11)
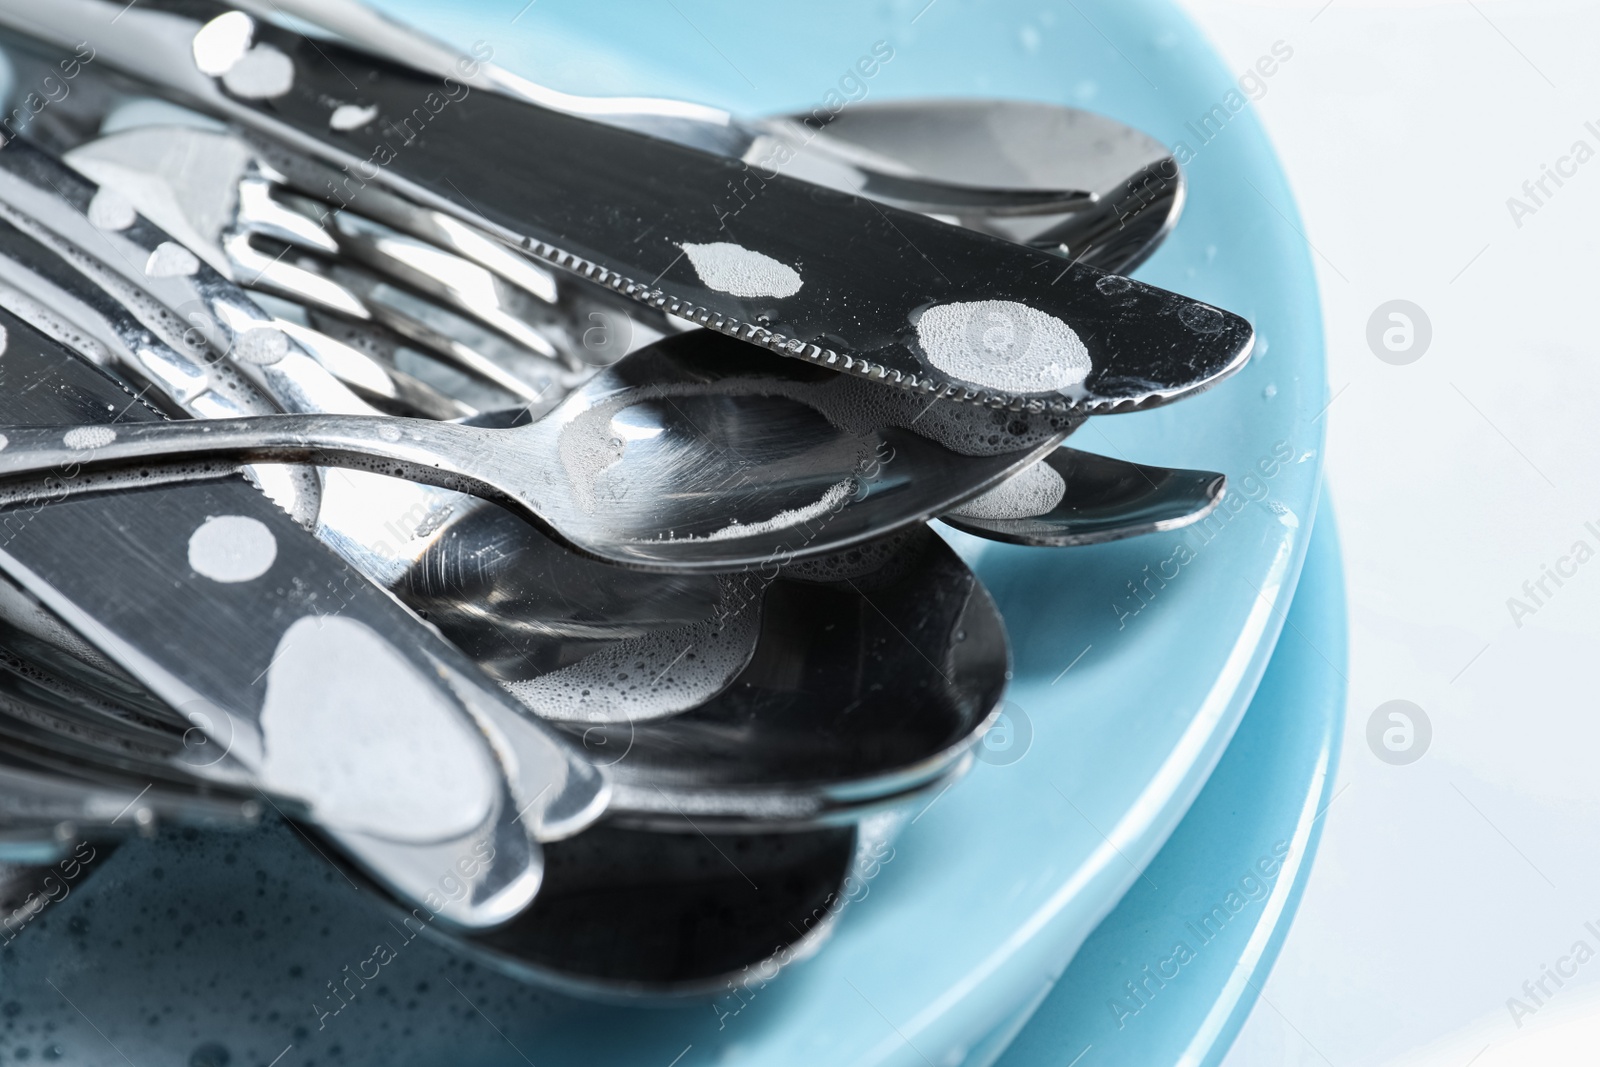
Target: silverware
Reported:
point(175, 586)
point(801, 734)
point(1007, 167)
point(824, 281)
point(547, 622)
point(1078, 498)
point(208, 189)
point(696, 453)
point(1131, 190)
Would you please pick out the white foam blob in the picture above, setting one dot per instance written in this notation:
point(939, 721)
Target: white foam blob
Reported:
point(650, 677)
point(832, 500)
point(1003, 345)
point(110, 210)
point(171, 260)
point(4, 440)
point(85, 437)
point(232, 548)
point(260, 74)
point(222, 42)
point(1034, 490)
point(5, 340)
point(350, 726)
point(740, 271)
point(261, 345)
point(352, 116)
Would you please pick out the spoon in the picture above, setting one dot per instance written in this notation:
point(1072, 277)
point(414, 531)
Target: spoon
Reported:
point(696, 453)
point(1078, 498)
point(804, 735)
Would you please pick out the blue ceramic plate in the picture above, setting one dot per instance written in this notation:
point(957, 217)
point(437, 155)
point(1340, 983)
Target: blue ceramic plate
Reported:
point(1170, 975)
point(1134, 662)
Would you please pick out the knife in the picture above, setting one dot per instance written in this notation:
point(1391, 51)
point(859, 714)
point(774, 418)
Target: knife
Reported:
point(806, 271)
point(310, 684)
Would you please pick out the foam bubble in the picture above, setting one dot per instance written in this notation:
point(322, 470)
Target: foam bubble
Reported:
point(261, 345)
point(260, 74)
point(171, 260)
point(222, 42)
point(832, 500)
point(653, 676)
point(352, 116)
point(1035, 490)
point(110, 210)
point(1003, 345)
point(232, 548)
point(740, 271)
point(86, 437)
point(350, 726)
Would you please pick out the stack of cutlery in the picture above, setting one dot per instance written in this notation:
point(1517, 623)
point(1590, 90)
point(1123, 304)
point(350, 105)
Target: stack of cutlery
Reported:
point(528, 497)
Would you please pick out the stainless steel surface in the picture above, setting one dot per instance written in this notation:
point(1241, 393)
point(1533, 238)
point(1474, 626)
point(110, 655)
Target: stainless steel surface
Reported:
point(544, 621)
point(860, 307)
point(786, 658)
point(697, 453)
point(1131, 190)
point(122, 570)
point(207, 188)
point(1008, 167)
point(1091, 499)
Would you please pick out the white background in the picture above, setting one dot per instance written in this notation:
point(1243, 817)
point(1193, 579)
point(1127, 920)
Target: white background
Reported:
point(1442, 886)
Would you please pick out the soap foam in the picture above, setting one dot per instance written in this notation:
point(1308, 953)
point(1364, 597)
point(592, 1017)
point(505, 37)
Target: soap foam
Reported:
point(260, 74)
point(740, 271)
point(232, 548)
point(110, 210)
point(261, 345)
point(86, 437)
point(1003, 345)
point(372, 744)
point(650, 677)
point(352, 116)
point(1035, 490)
point(171, 260)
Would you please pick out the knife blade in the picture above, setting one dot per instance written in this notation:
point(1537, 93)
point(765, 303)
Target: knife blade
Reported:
point(307, 681)
point(806, 271)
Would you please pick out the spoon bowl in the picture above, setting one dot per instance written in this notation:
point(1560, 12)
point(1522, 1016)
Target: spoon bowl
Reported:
point(698, 453)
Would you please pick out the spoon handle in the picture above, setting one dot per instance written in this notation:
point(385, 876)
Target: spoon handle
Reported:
point(434, 453)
